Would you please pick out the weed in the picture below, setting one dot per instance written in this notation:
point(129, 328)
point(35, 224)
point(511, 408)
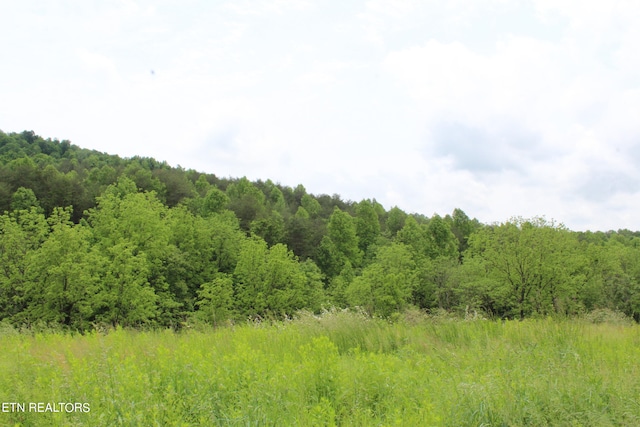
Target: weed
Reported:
point(339, 368)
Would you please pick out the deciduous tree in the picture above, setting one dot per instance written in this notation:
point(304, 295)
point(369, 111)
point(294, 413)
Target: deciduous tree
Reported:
point(386, 285)
point(532, 260)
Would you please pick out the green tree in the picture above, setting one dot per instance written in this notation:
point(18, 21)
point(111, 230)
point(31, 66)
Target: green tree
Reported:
point(330, 260)
point(395, 220)
point(367, 224)
point(202, 185)
point(302, 213)
point(66, 275)
point(215, 201)
point(342, 231)
point(24, 199)
point(215, 300)
point(476, 289)
point(144, 179)
point(534, 263)
point(303, 234)
point(250, 295)
point(285, 282)
point(442, 242)
point(136, 223)
point(437, 285)
point(205, 248)
point(57, 189)
point(269, 281)
point(385, 286)
point(413, 236)
point(246, 201)
point(613, 277)
point(298, 193)
point(339, 246)
point(22, 172)
point(314, 297)
point(311, 205)
point(275, 197)
point(178, 187)
point(270, 228)
point(443, 275)
point(6, 193)
point(98, 179)
point(22, 233)
point(338, 285)
point(462, 227)
point(124, 296)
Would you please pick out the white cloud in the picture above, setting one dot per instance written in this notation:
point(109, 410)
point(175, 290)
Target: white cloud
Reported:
point(322, 74)
point(380, 16)
point(96, 62)
point(267, 6)
point(448, 78)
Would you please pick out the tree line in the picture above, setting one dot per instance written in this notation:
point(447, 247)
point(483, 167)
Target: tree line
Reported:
point(88, 238)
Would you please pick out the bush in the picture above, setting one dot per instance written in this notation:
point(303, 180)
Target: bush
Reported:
point(605, 315)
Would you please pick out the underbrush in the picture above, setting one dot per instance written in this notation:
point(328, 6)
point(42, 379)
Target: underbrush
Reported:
point(338, 368)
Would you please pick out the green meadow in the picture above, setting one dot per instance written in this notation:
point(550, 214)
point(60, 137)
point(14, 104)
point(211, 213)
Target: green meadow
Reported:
point(336, 369)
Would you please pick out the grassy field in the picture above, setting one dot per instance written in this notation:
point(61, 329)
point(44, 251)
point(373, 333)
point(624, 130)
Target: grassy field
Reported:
point(339, 369)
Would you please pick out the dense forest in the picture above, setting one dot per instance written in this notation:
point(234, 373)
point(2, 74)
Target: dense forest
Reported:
point(88, 239)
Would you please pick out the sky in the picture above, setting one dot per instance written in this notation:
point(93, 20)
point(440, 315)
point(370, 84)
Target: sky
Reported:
point(500, 108)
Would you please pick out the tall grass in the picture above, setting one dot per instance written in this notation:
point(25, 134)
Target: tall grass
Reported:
point(336, 369)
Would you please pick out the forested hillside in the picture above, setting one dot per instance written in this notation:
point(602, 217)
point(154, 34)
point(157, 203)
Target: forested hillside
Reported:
point(88, 238)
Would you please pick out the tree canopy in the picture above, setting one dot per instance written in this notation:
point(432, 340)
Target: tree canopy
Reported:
point(89, 238)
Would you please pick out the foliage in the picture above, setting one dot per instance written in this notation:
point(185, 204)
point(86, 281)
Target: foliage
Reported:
point(385, 286)
point(533, 263)
point(268, 280)
point(89, 238)
point(215, 300)
point(367, 224)
point(339, 368)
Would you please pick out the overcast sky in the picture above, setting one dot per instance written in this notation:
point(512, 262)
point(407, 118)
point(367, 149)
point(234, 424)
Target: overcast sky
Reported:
point(500, 108)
